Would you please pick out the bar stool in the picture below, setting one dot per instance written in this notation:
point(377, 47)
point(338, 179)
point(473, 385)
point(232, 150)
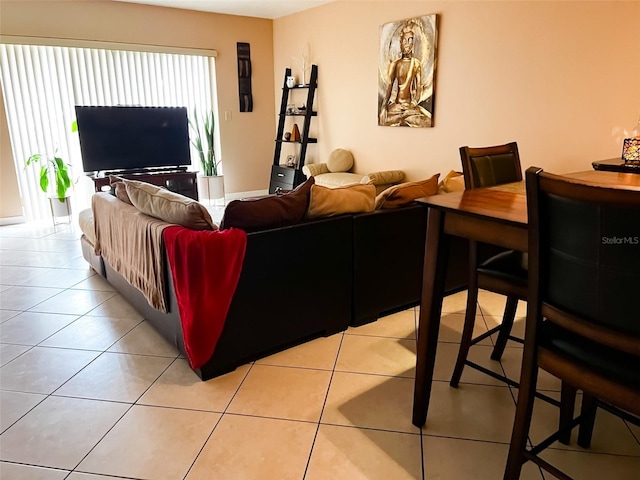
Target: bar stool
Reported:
point(582, 310)
point(504, 273)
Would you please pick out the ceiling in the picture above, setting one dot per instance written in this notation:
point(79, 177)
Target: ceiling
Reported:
point(251, 8)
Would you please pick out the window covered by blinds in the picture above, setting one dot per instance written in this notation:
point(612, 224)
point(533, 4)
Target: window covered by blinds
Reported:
point(42, 85)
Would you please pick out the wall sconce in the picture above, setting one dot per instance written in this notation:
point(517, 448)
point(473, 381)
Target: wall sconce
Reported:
point(631, 146)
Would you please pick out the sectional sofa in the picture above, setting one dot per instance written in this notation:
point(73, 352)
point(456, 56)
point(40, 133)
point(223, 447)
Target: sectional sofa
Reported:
point(298, 282)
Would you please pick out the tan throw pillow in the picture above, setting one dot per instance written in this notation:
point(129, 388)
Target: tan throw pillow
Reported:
point(405, 193)
point(326, 202)
point(268, 212)
point(168, 206)
point(453, 182)
point(115, 179)
point(340, 160)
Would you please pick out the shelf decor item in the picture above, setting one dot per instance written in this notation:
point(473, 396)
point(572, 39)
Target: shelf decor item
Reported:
point(291, 161)
point(303, 65)
point(295, 133)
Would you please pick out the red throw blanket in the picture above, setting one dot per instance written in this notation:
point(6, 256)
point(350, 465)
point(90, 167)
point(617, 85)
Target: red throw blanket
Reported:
point(205, 266)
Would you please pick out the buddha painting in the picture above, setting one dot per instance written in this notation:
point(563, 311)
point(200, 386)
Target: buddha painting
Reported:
point(406, 72)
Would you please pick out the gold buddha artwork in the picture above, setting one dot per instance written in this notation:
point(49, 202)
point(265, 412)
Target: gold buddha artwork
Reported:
point(406, 72)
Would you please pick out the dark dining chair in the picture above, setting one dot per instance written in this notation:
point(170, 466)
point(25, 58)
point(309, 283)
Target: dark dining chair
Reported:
point(582, 321)
point(503, 272)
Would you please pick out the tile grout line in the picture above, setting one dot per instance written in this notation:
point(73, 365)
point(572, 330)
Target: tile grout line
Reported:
point(324, 403)
point(224, 412)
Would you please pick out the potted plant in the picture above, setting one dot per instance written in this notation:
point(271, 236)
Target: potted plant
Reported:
point(54, 167)
point(211, 183)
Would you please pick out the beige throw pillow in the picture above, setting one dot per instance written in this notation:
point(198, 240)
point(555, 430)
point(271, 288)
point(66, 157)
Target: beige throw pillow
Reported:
point(453, 182)
point(168, 206)
point(405, 193)
point(340, 160)
point(118, 188)
point(120, 191)
point(326, 202)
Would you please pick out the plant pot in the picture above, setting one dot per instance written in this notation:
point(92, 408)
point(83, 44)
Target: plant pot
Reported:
point(60, 208)
point(211, 188)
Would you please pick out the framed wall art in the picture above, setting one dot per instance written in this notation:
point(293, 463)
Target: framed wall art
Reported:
point(244, 77)
point(406, 72)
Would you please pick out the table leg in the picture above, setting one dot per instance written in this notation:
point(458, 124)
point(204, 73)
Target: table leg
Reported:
point(433, 281)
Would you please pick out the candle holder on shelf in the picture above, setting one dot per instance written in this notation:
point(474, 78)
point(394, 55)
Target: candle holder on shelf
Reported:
point(631, 146)
point(631, 150)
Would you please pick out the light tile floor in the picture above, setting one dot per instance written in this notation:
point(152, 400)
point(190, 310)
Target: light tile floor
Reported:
point(89, 391)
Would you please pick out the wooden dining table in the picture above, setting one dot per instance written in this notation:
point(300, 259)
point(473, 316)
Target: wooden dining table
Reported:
point(495, 215)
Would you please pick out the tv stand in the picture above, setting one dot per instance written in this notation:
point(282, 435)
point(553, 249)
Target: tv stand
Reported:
point(142, 170)
point(175, 179)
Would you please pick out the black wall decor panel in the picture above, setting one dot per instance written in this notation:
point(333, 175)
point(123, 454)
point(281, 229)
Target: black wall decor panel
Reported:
point(244, 77)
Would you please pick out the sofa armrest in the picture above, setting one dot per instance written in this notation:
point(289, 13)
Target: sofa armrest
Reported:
point(314, 169)
point(385, 177)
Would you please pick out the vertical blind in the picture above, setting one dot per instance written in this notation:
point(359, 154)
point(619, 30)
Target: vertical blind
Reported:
point(43, 84)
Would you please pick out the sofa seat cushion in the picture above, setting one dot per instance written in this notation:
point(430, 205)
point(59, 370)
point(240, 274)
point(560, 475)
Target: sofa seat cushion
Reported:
point(406, 193)
point(168, 206)
point(87, 225)
point(268, 212)
point(326, 202)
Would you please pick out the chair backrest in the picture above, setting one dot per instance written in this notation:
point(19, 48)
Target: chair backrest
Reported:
point(489, 166)
point(584, 257)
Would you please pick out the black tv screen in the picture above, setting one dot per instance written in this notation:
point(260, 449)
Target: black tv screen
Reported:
point(132, 138)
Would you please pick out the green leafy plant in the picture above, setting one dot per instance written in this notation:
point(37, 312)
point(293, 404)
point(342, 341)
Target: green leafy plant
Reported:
point(52, 167)
point(207, 155)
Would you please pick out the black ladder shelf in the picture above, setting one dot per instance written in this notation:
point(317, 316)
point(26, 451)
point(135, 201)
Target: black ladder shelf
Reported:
point(283, 177)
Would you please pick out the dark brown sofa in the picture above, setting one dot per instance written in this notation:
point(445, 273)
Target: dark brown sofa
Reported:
point(280, 299)
point(312, 279)
point(388, 256)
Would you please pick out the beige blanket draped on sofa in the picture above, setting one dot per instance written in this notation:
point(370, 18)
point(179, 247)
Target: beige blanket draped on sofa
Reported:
point(132, 248)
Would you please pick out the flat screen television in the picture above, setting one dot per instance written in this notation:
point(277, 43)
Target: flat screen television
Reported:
point(132, 138)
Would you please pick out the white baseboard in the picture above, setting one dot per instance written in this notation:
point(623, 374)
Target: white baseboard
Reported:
point(13, 220)
point(239, 195)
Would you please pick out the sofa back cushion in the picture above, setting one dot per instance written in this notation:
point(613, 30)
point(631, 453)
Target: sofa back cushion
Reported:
point(168, 206)
point(405, 193)
point(268, 212)
point(326, 202)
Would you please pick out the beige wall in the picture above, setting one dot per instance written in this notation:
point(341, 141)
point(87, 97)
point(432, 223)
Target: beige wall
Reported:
point(246, 138)
point(560, 78)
